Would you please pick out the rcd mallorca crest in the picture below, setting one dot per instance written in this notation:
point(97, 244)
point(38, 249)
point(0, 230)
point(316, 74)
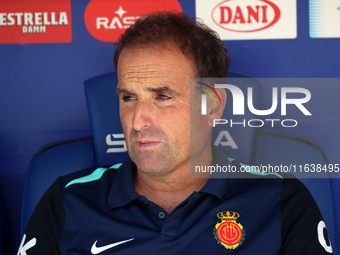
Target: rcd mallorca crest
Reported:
point(228, 232)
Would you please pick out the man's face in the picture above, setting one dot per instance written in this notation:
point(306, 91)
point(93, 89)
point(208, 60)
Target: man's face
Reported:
point(154, 95)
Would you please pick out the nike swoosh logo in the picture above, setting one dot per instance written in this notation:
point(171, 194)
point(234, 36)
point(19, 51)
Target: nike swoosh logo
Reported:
point(97, 250)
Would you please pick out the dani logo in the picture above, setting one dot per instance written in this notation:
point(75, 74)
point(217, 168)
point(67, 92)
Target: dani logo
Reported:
point(35, 22)
point(246, 16)
point(249, 19)
point(107, 20)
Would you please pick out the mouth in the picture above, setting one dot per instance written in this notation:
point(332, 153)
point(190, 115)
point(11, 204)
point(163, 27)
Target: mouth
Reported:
point(147, 143)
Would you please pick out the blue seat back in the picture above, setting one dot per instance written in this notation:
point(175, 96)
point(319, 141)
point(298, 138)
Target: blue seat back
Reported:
point(48, 164)
point(107, 130)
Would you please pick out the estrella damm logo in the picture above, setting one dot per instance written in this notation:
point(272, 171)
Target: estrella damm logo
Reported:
point(228, 232)
point(35, 22)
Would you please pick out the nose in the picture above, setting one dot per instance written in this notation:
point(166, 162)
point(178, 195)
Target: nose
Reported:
point(142, 118)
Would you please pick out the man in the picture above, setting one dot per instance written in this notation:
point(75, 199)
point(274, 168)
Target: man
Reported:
point(149, 204)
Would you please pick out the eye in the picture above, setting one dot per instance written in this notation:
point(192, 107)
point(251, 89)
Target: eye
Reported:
point(163, 97)
point(127, 98)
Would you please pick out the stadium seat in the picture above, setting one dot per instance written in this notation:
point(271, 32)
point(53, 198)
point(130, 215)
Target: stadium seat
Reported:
point(107, 146)
point(107, 131)
point(48, 164)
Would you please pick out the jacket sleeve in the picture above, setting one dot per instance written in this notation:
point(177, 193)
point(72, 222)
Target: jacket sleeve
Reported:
point(43, 231)
point(303, 229)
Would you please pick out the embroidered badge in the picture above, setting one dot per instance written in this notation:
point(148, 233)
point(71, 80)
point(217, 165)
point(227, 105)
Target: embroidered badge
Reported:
point(228, 232)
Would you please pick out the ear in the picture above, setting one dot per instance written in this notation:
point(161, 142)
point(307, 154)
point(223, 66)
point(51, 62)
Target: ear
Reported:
point(215, 110)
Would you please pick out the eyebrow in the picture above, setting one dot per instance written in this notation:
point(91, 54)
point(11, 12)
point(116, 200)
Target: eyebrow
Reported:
point(159, 90)
point(121, 91)
point(164, 89)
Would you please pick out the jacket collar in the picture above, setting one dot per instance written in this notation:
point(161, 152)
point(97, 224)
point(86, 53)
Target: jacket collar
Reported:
point(123, 191)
